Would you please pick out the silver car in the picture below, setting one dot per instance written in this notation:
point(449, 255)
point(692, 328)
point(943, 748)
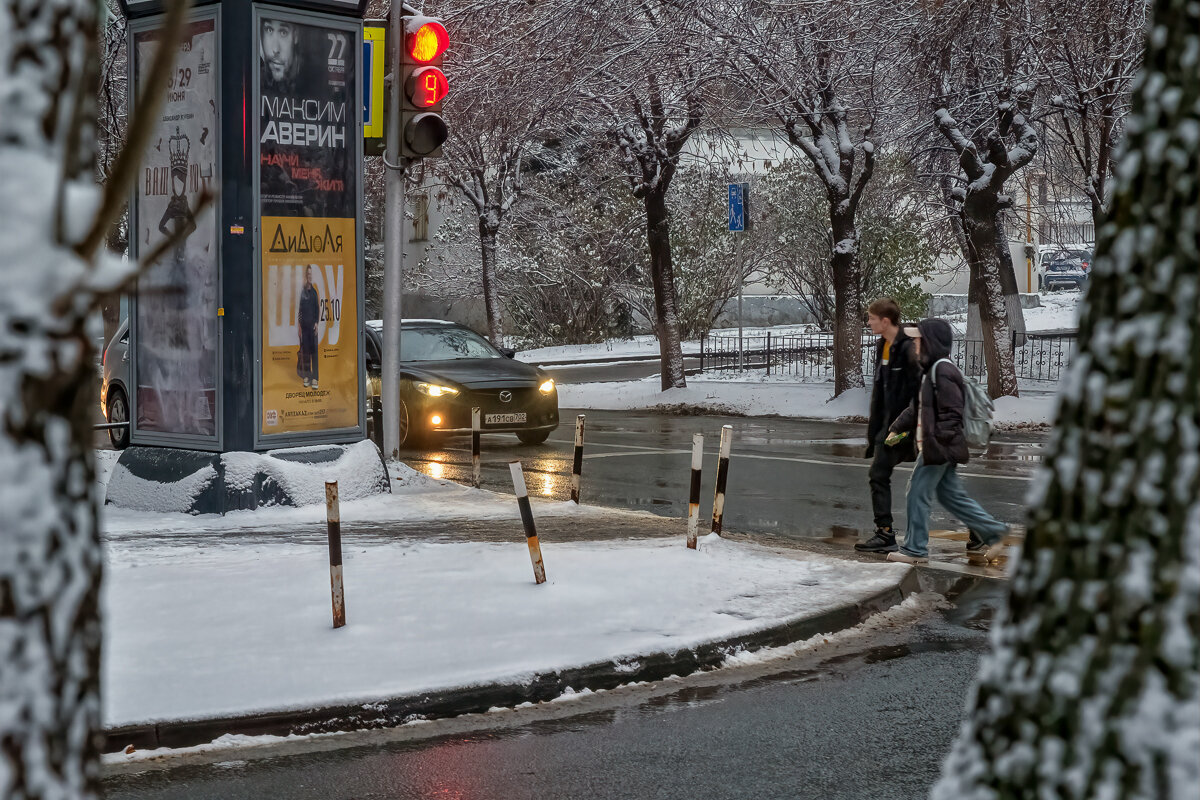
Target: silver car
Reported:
point(114, 389)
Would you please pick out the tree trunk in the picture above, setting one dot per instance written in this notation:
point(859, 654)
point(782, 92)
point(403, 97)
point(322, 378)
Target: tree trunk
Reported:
point(50, 559)
point(491, 287)
point(662, 276)
point(1093, 686)
point(848, 305)
point(979, 222)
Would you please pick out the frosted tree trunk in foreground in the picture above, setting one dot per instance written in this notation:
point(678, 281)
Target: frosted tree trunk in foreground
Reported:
point(49, 544)
point(1093, 687)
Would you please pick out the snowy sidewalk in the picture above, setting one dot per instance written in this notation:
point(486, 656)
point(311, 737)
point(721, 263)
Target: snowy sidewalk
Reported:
point(206, 640)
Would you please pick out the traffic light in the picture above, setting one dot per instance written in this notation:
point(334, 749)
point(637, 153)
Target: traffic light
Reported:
point(423, 87)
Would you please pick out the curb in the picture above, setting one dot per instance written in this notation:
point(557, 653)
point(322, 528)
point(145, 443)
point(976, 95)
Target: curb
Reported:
point(389, 712)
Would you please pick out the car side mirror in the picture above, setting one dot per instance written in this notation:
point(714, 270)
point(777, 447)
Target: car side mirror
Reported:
point(508, 352)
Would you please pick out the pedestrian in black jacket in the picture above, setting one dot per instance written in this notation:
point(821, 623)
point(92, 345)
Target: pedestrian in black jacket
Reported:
point(897, 376)
point(935, 421)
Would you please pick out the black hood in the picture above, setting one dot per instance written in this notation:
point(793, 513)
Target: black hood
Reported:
point(476, 373)
point(936, 338)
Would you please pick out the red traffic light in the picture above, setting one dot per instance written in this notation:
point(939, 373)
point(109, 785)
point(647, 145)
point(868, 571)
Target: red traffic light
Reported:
point(426, 87)
point(428, 42)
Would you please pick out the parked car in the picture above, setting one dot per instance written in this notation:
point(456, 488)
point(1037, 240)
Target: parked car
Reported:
point(114, 385)
point(448, 369)
point(1063, 268)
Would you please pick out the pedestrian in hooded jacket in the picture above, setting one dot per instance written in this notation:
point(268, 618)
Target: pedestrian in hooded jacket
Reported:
point(935, 421)
point(897, 376)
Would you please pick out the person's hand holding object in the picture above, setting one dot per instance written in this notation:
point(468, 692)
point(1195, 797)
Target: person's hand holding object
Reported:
point(894, 439)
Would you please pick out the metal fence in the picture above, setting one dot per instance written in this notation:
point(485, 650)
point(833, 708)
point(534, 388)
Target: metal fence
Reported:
point(810, 356)
point(804, 356)
point(1036, 358)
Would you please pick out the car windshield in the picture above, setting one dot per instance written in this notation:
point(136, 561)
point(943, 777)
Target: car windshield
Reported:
point(443, 344)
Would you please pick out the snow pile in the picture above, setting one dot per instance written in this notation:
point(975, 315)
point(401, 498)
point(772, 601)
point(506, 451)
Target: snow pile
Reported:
point(203, 631)
point(414, 497)
point(358, 471)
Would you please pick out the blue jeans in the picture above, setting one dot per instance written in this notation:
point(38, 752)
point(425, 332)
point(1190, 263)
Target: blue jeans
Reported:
point(943, 479)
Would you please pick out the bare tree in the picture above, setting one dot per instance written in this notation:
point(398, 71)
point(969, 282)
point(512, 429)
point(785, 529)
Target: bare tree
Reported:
point(53, 225)
point(499, 111)
point(814, 70)
point(979, 65)
point(1092, 688)
point(649, 79)
point(1090, 50)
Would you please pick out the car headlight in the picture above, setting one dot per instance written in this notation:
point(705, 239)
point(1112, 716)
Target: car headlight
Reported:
point(547, 387)
point(436, 390)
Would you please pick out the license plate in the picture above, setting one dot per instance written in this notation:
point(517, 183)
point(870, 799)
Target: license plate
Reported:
point(504, 419)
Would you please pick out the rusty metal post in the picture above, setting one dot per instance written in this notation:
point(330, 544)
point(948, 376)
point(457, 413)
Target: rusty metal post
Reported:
point(577, 465)
point(476, 427)
point(694, 492)
point(334, 515)
point(722, 477)
point(377, 423)
point(535, 549)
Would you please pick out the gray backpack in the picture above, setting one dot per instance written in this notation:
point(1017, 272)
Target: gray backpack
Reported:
point(977, 409)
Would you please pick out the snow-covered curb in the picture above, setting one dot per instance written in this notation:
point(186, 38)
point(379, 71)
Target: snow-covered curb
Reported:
point(196, 632)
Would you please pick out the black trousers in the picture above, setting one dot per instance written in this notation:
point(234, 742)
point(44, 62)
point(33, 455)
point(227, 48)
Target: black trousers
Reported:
point(880, 479)
point(306, 363)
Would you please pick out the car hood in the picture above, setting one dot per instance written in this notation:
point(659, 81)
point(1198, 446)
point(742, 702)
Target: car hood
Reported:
point(477, 373)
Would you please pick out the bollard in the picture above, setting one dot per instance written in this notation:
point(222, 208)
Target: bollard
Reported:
point(722, 476)
point(334, 514)
point(577, 465)
point(694, 492)
point(475, 428)
point(535, 549)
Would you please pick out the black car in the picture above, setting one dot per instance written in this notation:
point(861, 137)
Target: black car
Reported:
point(447, 369)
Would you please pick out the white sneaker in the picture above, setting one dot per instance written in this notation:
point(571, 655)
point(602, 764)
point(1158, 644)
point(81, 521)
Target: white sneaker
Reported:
point(314, 384)
point(905, 558)
point(306, 383)
point(994, 551)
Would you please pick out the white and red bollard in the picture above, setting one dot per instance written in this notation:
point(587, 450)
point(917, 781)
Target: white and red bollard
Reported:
point(722, 477)
point(577, 464)
point(334, 516)
point(535, 549)
point(694, 491)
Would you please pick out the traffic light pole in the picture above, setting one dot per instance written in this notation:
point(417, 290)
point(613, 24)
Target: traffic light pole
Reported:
point(393, 243)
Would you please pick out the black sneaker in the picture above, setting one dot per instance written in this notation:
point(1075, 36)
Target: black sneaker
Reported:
point(884, 541)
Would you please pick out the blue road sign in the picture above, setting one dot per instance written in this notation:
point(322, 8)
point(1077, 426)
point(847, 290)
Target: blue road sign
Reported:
point(737, 209)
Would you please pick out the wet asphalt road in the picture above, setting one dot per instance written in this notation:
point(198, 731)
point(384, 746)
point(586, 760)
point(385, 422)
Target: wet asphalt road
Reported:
point(870, 717)
point(787, 477)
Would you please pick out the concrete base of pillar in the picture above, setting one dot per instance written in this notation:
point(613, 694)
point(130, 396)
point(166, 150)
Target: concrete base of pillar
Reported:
point(165, 479)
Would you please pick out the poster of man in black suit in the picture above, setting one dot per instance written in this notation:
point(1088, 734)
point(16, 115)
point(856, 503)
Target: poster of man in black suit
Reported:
point(307, 317)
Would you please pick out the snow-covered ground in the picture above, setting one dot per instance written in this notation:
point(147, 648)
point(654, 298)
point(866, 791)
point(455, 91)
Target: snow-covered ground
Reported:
point(1059, 311)
point(752, 396)
point(201, 631)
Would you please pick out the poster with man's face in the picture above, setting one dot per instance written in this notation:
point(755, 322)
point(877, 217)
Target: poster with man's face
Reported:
point(308, 201)
point(175, 354)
